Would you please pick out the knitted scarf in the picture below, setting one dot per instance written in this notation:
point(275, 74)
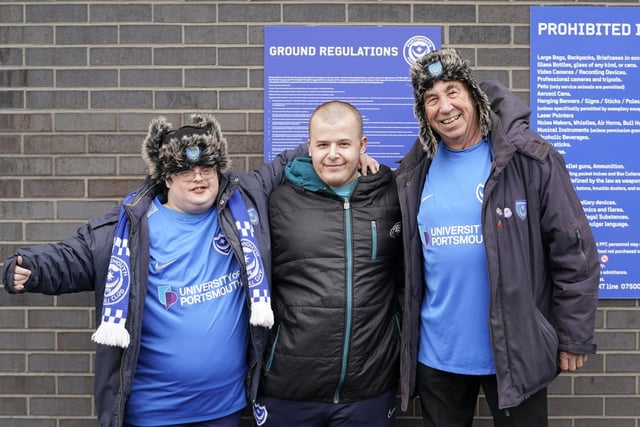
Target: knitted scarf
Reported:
point(112, 330)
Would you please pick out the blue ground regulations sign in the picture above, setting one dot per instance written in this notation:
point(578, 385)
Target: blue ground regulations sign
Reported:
point(366, 66)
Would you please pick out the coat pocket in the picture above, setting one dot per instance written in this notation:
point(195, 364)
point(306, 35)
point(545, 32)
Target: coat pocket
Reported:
point(549, 338)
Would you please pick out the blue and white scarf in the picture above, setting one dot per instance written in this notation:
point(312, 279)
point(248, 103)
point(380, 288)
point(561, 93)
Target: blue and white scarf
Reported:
point(115, 304)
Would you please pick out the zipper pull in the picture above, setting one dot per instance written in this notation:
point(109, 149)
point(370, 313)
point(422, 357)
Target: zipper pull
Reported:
point(346, 204)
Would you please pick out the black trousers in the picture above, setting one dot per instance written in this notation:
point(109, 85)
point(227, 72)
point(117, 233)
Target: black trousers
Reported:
point(449, 400)
point(378, 411)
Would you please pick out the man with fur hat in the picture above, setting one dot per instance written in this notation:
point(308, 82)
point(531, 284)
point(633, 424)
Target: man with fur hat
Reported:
point(501, 268)
point(173, 269)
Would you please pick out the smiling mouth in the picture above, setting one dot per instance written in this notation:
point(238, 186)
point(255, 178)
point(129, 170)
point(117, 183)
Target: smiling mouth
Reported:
point(451, 120)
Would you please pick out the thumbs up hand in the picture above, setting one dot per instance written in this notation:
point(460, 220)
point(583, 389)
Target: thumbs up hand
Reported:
point(20, 275)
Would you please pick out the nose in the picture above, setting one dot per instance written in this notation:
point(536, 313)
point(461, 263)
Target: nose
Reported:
point(446, 105)
point(333, 150)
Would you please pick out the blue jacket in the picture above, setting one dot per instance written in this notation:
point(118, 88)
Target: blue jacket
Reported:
point(80, 263)
point(543, 271)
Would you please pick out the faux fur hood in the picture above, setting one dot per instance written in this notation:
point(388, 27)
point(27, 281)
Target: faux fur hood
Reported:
point(444, 65)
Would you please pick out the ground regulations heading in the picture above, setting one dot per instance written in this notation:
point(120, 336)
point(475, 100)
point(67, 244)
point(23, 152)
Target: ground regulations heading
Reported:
point(368, 67)
point(585, 100)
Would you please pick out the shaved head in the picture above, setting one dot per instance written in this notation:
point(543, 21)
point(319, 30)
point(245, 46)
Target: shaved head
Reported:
point(333, 111)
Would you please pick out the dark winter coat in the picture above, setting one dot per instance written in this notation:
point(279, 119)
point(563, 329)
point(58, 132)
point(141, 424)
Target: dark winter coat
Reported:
point(543, 270)
point(80, 263)
point(336, 273)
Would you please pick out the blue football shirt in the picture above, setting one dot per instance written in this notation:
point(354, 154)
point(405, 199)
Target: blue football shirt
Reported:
point(454, 332)
point(192, 362)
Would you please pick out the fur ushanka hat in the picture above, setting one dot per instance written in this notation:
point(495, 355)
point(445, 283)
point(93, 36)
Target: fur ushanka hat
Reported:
point(444, 65)
point(167, 151)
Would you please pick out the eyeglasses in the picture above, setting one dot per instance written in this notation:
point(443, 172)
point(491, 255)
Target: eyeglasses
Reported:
point(190, 175)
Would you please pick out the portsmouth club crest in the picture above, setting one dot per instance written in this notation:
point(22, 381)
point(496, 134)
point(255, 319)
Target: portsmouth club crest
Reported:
point(117, 285)
point(416, 47)
point(253, 216)
point(435, 69)
point(480, 192)
point(192, 153)
point(221, 244)
point(260, 413)
point(251, 256)
point(521, 209)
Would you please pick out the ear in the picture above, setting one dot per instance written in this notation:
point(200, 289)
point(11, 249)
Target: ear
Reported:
point(363, 145)
point(309, 146)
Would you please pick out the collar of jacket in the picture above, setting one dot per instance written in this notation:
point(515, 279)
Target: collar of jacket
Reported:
point(412, 159)
point(300, 173)
point(227, 184)
point(149, 188)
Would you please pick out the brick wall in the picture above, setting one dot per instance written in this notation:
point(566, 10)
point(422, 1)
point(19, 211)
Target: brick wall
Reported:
point(80, 81)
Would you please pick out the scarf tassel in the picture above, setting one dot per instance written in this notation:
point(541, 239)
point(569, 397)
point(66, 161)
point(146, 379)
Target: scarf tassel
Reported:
point(111, 334)
point(261, 314)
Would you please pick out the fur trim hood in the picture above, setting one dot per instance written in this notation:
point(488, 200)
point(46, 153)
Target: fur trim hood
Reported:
point(167, 151)
point(444, 65)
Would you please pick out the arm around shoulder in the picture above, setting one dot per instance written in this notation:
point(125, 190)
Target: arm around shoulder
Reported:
point(507, 105)
point(271, 175)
